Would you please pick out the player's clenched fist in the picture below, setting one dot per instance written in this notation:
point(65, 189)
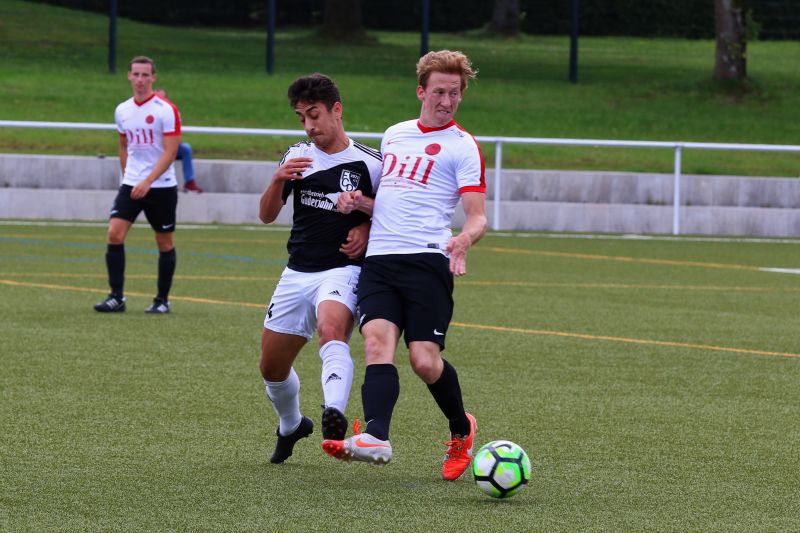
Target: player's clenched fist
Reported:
point(292, 169)
point(349, 201)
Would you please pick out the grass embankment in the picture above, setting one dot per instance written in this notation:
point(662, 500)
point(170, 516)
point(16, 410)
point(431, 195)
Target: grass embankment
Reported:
point(54, 67)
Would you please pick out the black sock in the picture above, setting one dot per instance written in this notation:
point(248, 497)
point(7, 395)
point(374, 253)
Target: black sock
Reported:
point(379, 393)
point(166, 269)
point(115, 263)
point(447, 393)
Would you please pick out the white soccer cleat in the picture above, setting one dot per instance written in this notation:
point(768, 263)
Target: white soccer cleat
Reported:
point(362, 447)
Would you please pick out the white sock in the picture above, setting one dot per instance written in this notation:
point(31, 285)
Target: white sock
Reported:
point(285, 397)
point(337, 374)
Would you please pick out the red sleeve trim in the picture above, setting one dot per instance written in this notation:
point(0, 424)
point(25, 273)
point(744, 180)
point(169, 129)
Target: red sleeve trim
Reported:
point(472, 188)
point(480, 154)
point(177, 114)
point(123, 134)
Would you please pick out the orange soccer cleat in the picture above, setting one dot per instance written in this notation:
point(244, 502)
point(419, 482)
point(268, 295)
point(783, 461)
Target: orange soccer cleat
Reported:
point(459, 452)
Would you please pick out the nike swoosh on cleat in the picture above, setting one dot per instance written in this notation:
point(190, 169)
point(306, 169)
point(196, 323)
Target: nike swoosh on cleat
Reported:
point(361, 444)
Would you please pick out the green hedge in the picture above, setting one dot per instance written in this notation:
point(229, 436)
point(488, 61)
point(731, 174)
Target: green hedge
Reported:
point(779, 19)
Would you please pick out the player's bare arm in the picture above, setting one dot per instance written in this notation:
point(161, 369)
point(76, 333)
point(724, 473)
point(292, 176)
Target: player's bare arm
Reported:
point(357, 239)
point(272, 199)
point(474, 229)
point(123, 153)
point(171, 144)
point(354, 201)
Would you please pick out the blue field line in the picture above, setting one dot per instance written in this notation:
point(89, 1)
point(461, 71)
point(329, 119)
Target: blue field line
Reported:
point(149, 251)
point(41, 259)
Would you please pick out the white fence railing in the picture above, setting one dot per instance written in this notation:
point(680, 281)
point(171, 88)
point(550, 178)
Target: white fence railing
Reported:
point(676, 146)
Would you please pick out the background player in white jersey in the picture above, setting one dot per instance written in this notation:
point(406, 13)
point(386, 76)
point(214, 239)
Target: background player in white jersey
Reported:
point(317, 290)
point(406, 282)
point(149, 128)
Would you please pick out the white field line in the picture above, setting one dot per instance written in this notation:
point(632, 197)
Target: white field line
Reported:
point(588, 236)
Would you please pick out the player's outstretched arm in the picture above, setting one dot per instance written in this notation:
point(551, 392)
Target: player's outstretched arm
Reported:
point(474, 229)
point(272, 199)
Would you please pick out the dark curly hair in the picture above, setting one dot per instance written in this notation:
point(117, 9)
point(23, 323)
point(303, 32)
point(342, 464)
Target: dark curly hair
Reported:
point(314, 88)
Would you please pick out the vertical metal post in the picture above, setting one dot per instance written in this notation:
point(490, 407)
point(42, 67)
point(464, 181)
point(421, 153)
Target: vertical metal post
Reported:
point(423, 44)
point(676, 195)
point(270, 36)
point(498, 172)
point(112, 36)
point(573, 46)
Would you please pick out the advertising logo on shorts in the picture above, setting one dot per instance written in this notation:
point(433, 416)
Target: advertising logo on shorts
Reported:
point(349, 180)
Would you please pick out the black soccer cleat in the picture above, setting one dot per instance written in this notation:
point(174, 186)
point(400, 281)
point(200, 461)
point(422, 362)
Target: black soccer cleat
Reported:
point(158, 307)
point(112, 304)
point(285, 445)
point(334, 424)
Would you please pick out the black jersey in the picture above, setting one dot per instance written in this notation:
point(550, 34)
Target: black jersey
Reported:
point(318, 229)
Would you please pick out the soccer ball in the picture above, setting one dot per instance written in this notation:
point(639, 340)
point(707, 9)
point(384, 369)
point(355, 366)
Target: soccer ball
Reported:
point(501, 469)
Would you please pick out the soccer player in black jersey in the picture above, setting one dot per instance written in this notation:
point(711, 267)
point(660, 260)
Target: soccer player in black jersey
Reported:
point(317, 289)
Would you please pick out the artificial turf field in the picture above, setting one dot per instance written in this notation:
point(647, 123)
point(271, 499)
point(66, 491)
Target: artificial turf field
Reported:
point(653, 383)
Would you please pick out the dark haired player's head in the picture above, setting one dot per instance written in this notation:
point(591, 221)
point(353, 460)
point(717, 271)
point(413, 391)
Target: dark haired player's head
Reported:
point(314, 88)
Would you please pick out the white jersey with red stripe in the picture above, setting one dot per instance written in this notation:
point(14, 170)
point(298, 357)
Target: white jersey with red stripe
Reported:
point(425, 171)
point(145, 124)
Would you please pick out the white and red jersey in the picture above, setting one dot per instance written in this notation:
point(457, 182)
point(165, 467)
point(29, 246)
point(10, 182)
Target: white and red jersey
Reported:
point(145, 124)
point(425, 171)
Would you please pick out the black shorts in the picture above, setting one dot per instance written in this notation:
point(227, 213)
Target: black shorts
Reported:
point(159, 206)
point(413, 291)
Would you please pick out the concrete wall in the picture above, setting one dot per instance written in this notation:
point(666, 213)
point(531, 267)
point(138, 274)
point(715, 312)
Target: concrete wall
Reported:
point(59, 187)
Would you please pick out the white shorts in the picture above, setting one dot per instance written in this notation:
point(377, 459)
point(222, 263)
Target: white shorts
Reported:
point(293, 307)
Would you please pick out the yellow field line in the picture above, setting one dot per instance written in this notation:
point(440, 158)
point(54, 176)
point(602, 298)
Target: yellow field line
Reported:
point(532, 284)
point(504, 329)
point(543, 285)
point(626, 340)
point(198, 277)
point(622, 259)
point(104, 291)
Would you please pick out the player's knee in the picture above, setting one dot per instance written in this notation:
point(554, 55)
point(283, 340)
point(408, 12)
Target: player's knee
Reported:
point(377, 351)
point(331, 331)
point(115, 236)
point(424, 368)
point(263, 367)
point(270, 372)
point(428, 366)
point(164, 242)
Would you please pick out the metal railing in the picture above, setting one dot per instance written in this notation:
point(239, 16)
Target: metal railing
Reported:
point(676, 146)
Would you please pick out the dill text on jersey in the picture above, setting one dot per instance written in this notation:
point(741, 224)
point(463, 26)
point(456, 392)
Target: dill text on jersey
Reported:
point(399, 169)
point(138, 136)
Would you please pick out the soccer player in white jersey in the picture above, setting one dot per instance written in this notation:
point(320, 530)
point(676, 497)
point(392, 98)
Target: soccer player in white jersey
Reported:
point(317, 289)
point(406, 282)
point(149, 128)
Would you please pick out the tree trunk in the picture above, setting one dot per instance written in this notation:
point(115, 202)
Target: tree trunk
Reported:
point(342, 21)
point(505, 18)
point(731, 57)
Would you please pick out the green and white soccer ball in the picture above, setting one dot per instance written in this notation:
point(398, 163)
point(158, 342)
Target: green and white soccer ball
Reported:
point(501, 468)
